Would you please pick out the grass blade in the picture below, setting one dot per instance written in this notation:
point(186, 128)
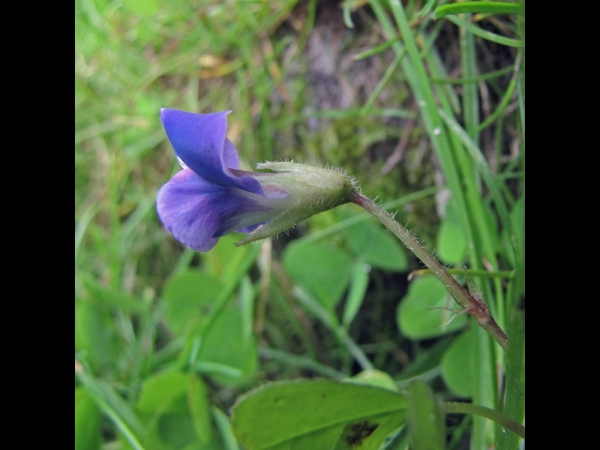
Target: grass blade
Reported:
point(479, 7)
point(477, 31)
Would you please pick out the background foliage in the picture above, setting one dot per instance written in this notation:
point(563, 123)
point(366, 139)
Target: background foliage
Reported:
point(426, 112)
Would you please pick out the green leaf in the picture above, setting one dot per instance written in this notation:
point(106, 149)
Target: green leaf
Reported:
point(113, 406)
point(416, 318)
point(94, 334)
point(174, 429)
point(356, 295)
point(425, 363)
point(517, 217)
point(376, 247)
point(317, 414)
point(110, 297)
point(480, 7)
point(320, 269)
point(425, 420)
point(375, 378)
point(227, 344)
point(457, 365)
point(452, 243)
point(159, 392)
point(312, 305)
point(451, 240)
point(176, 410)
point(370, 434)
point(87, 421)
point(199, 407)
point(228, 351)
point(189, 296)
point(226, 259)
point(477, 31)
point(224, 426)
point(514, 406)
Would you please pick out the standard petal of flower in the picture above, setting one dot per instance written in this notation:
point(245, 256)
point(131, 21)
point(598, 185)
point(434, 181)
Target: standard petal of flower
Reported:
point(231, 159)
point(198, 212)
point(199, 140)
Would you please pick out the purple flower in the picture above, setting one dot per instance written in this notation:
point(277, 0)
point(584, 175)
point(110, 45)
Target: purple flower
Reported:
point(211, 197)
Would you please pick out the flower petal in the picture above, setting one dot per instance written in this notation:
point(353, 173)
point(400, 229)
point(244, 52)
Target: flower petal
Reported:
point(199, 140)
point(198, 212)
point(230, 155)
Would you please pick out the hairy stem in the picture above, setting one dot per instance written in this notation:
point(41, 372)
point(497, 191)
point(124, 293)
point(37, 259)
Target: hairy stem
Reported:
point(472, 304)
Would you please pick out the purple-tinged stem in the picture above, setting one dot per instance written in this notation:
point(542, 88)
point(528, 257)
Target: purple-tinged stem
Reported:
point(472, 304)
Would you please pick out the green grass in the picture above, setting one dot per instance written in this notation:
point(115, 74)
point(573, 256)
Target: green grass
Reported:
point(168, 339)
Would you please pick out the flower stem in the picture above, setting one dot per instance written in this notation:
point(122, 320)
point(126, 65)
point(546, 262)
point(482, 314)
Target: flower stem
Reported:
point(492, 414)
point(471, 303)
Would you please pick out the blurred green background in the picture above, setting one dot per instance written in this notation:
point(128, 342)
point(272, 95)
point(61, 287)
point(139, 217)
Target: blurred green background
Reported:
point(167, 338)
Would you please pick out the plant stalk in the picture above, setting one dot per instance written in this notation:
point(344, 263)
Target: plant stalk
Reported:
point(471, 303)
point(492, 414)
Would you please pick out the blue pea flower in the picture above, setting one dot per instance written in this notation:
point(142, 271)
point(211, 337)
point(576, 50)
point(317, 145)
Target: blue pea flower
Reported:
point(211, 197)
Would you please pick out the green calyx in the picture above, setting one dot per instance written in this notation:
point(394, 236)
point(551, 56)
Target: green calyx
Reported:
point(310, 190)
